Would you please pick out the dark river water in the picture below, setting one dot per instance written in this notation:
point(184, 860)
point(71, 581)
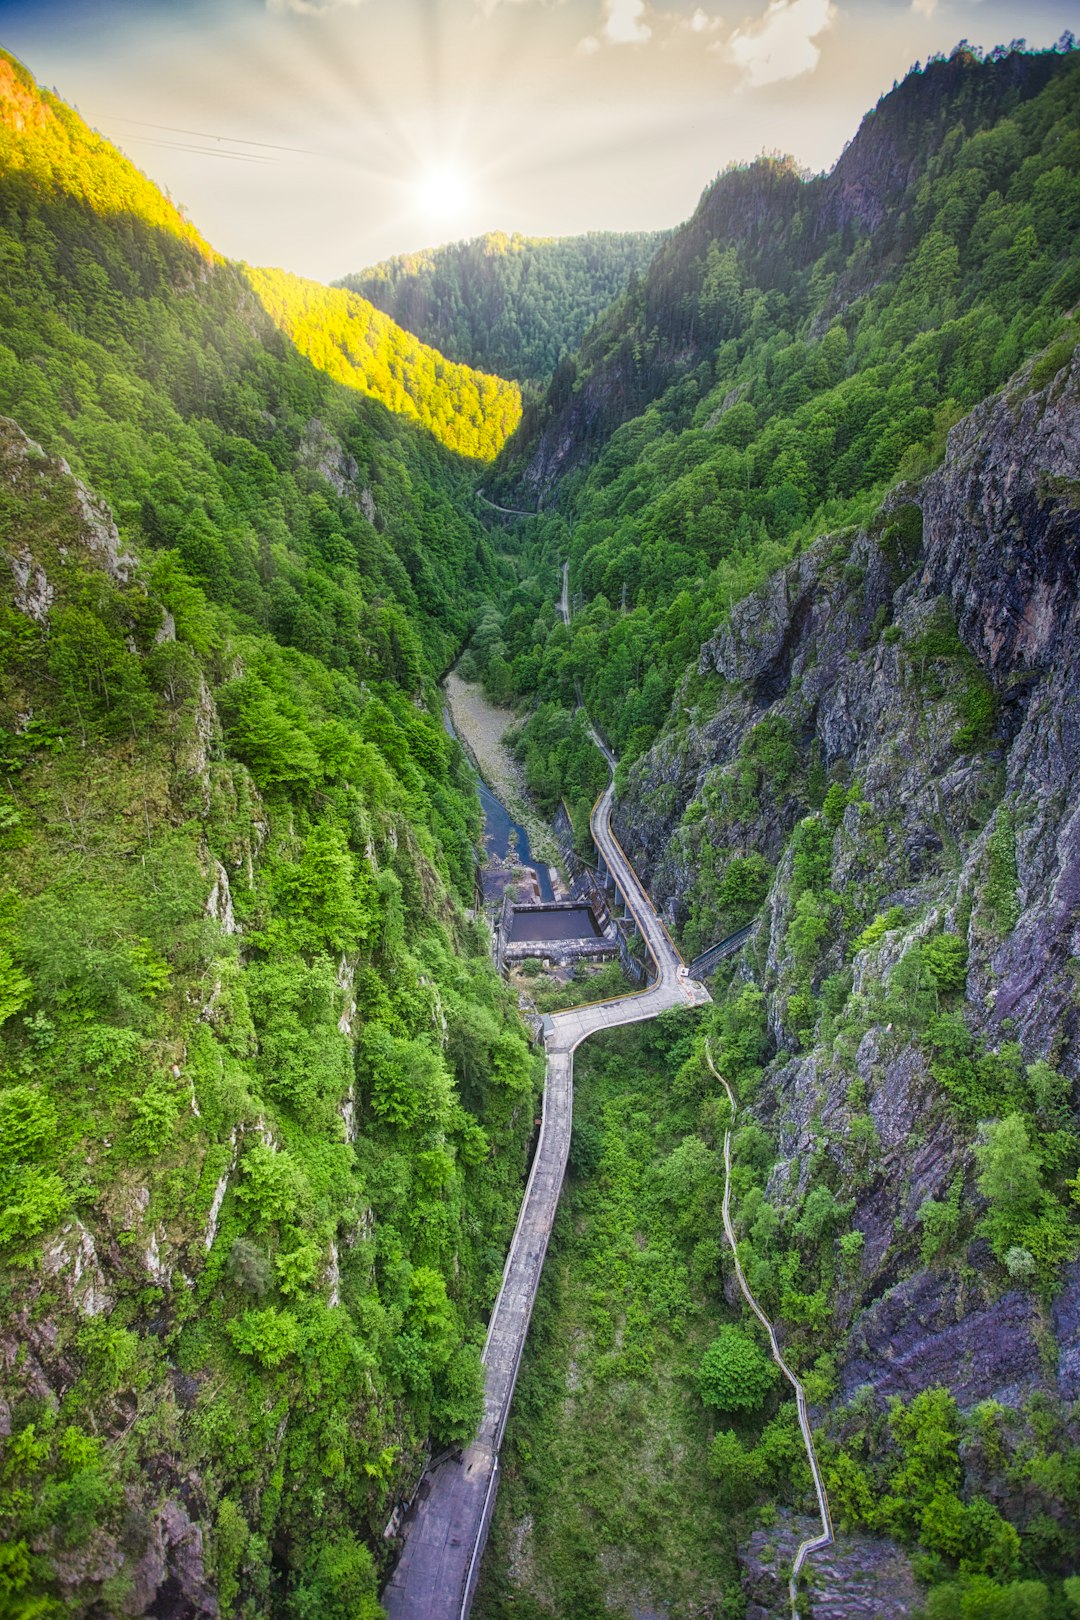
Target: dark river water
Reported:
point(501, 830)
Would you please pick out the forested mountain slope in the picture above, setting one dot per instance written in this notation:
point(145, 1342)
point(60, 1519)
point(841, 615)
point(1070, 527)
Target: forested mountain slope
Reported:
point(264, 1104)
point(510, 304)
point(46, 150)
point(354, 343)
point(794, 349)
point(878, 764)
point(935, 188)
point(826, 604)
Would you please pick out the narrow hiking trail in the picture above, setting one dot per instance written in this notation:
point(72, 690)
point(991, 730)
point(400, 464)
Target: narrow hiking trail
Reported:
point(447, 1525)
point(825, 1539)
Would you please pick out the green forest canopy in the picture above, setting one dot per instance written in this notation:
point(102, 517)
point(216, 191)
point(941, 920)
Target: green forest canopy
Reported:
point(351, 341)
point(511, 304)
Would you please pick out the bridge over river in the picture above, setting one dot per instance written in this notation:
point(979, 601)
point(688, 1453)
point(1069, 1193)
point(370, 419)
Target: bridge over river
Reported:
point(447, 1524)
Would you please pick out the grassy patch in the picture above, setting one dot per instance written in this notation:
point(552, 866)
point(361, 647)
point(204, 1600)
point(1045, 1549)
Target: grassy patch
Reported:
point(606, 1501)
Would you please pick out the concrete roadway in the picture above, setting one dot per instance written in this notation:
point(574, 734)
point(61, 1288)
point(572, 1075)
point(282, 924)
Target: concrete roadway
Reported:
point(564, 595)
point(446, 1527)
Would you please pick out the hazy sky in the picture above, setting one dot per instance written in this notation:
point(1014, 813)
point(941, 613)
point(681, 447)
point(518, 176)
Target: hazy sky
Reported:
point(323, 135)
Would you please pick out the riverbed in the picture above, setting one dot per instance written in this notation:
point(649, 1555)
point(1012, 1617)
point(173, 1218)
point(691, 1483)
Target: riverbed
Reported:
point(512, 833)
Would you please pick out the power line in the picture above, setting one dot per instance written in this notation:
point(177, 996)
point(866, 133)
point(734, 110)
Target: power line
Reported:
point(205, 135)
point(204, 151)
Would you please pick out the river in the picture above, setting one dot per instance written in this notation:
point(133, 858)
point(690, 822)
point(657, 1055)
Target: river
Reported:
point(504, 838)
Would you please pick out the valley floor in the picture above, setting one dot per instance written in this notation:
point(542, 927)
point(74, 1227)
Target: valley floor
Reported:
point(481, 726)
point(607, 1506)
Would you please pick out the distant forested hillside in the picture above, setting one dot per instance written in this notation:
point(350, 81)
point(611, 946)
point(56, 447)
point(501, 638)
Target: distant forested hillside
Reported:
point(357, 345)
point(509, 304)
point(795, 349)
point(264, 1104)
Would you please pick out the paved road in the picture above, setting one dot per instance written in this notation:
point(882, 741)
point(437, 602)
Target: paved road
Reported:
point(564, 599)
point(508, 511)
point(448, 1523)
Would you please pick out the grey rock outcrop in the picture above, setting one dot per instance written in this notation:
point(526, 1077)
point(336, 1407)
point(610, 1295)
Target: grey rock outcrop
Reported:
point(840, 646)
point(859, 1578)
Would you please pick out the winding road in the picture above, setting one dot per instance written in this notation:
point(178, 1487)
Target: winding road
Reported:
point(564, 599)
point(507, 511)
point(447, 1524)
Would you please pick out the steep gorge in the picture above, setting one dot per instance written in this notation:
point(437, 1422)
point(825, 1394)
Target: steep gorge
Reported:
point(871, 759)
point(266, 1107)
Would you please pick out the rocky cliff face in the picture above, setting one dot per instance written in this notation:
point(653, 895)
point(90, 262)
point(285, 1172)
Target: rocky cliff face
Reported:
point(999, 548)
point(928, 668)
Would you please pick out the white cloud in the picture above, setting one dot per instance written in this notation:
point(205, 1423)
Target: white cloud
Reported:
point(780, 44)
point(588, 46)
point(308, 8)
point(925, 8)
point(624, 25)
point(699, 22)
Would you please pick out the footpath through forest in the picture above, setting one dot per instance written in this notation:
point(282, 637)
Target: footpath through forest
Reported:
point(447, 1524)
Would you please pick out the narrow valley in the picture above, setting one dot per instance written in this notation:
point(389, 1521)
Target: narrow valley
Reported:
point(508, 763)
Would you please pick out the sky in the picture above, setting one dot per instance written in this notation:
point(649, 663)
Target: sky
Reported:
point(324, 135)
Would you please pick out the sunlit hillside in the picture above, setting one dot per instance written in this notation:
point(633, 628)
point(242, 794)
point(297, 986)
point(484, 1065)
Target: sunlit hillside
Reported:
point(47, 149)
point(49, 145)
point(356, 344)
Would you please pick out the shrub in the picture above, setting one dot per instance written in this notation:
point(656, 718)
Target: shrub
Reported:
point(801, 1016)
point(14, 987)
point(28, 1122)
point(1002, 879)
point(808, 927)
point(248, 1268)
point(1019, 1263)
point(338, 1583)
point(946, 958)
point(976, 706)
point(154, 1120)
point(977, 1597)
point(875, 931)
point(1008, 1173)
point(459, 1397)
point(740, 1472)
point(735, 1375)
point(268, 1336)
point(271, 1185)
point(743, 886)
point(33, 1201)
point(811, 856)
point(940, 1221)
point(770, 748)
point(821, 1214)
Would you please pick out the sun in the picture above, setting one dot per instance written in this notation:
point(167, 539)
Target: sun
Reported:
point(444, 191)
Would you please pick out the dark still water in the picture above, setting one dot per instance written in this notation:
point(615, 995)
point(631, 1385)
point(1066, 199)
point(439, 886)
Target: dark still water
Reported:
point(569, 922)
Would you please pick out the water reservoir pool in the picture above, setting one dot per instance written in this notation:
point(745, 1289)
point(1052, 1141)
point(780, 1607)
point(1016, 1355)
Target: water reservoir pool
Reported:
point(561, 922)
